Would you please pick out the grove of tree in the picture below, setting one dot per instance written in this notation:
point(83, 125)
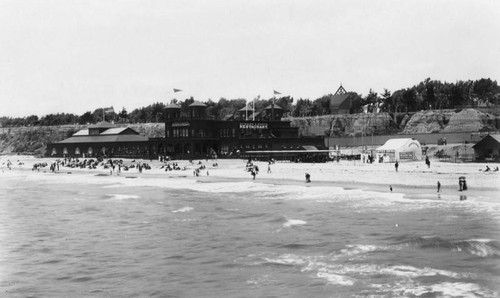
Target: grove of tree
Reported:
point(426, 95)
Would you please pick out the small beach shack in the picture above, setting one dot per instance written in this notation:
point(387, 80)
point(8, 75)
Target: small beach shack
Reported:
point(488, 148)
point(400, 150)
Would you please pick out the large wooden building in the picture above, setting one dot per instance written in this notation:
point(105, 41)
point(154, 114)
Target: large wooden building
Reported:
point(189, 134)
point(104, 139)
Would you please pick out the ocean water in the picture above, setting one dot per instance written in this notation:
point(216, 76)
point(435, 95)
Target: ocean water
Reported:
point(83, 235)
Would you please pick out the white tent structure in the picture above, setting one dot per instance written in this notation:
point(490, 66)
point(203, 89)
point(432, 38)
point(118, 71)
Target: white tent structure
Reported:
point(400, 150)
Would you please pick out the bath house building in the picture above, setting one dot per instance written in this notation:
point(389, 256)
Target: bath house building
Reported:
point(190, 134)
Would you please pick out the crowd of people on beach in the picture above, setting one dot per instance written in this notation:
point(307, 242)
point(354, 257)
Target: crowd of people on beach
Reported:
point(118, 165)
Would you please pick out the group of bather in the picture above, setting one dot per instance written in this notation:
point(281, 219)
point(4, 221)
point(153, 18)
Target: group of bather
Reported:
point(92, 164)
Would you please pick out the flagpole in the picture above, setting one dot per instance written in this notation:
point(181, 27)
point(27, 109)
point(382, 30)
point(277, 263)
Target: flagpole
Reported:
point(272, 105)
point(253, 110)
point(272, 108)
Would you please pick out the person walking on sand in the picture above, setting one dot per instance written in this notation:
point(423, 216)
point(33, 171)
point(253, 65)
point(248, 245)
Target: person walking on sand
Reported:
point(269, 168)
point(427, 161)
point(439, 186)
point(308, 178)
point(396, 165)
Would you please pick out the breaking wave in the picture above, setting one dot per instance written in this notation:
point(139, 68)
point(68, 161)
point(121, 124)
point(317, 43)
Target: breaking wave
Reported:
point(478, 247)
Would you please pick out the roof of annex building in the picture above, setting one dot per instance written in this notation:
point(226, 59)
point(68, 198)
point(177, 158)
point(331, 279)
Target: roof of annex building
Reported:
point(104, 139)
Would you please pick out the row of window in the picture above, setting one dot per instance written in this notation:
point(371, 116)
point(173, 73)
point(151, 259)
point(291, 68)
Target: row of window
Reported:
point(227, 133)
point(121, 149)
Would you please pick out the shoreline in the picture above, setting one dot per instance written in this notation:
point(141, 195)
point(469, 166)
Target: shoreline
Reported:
point(412, 181)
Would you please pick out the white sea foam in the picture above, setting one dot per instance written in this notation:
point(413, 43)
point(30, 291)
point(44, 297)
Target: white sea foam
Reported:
point(448, 289)
point(286, 259)
point(183, 209)
point(298, 191)
point(335, 279)
point(294, 222)
point(353, 250)
point(120, 197)
point(413, 272)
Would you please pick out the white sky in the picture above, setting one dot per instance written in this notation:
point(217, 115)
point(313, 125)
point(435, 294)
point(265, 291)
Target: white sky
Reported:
point(74, 56)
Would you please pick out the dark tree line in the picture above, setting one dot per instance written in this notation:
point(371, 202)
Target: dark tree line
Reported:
point(428, 94)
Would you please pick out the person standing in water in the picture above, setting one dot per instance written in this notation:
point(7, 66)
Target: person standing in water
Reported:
point(439, 186)
point(396, 165)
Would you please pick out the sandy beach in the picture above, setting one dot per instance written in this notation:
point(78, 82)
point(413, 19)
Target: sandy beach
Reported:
point(413, 179)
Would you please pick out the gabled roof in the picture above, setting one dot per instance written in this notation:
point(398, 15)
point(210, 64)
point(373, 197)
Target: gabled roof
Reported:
point(340, 91)
point(197, 104)
point(495, 137)
point(82, 132)
point(246, 108)
point(119, 131)
point(102, 124)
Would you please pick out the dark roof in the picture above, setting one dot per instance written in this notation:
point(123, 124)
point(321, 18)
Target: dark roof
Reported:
point(197, 104)
point(102, 124)
point(337, 100)
point(172, 106)
point(119, 131)
point(104, 139)
point(276, 107)
point(494, 137)
point(246, 108)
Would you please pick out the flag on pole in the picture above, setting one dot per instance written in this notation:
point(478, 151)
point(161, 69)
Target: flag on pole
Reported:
point(276, 92)
point(177, 90)
point(109, 110)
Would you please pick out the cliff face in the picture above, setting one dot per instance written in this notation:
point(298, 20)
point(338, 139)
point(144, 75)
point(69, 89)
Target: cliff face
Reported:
point(34, 139)
point(471, 120)
point(435, 121)
point(345, 125)
point(467, 120)
point(427, 122)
